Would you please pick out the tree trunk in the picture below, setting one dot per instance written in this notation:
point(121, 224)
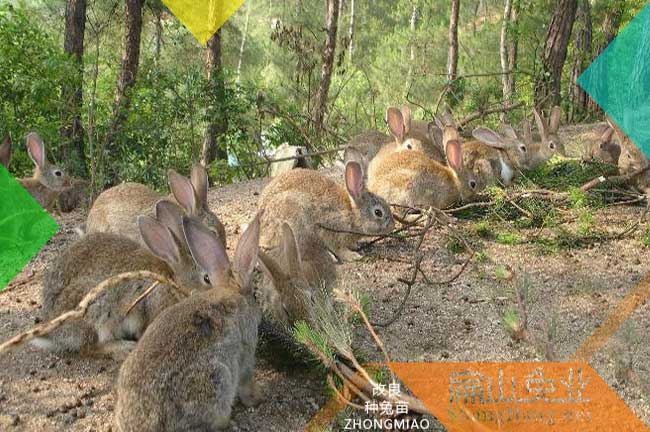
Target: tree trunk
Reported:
point(320, 102)
point(127, 75)
point(243, 41)
point(217, 118)
point(158, 35)
point(582, 54)
point(413, 21)
point(554, 55)
point(72, 132)
point(351, 32)
point(504, 53)
point(452, 53)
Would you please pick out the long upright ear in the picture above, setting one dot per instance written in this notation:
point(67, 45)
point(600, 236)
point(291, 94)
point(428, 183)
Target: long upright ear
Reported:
point(554, 122)
point(207, 250)
point(406, 116)
point(159, 240)
point(36, 149)
point(171, 215)
point(489, 137)
point(354, 181)
point(395, 122)
point(247, 252)
point(509, 131)
point(454, 154)
point(5, 152)
point(290, 250)
point(199, 179)
point(435, 133)
point(528, 132)
point(541, 123)
point(183, 191)
point(352, 154)
point(607, 135)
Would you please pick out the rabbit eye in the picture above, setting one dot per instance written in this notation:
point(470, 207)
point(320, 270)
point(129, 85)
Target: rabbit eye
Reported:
point(58, 173)
point(523, 148)
point(551, 145)
point(379, 213)
point(472, 184)
point(409, 146)
point(206, 279)
point(629, 156)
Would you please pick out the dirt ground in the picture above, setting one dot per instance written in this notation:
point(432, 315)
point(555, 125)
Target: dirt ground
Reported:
point(571, 290)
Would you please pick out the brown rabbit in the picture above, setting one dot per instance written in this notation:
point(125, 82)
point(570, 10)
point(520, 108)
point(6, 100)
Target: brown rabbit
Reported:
point(48, 180)
point(632, 160)
point(107, 329)
point(410, 135)
point(604, 147)
point(116, 210)
point(539, 151)
point(295, 274)
point(548, 130)
point(415, 180)
point(5, 152)
point(199, 355)
point(495, 158)
point(314, 204)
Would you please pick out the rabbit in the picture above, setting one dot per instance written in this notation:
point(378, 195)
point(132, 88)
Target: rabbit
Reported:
point(604, 148)
point(116, 209)
point(313, 203)
point(107, 330)
point(285, 151)
point(548, 130)
point(415, 180)
point(48, 180)
point(5, 152)
point(539, 151)
point(495, 158)
point(632, 160)
point(198, 355)
point(410, 134)
point(368, 143)
point(295, 274)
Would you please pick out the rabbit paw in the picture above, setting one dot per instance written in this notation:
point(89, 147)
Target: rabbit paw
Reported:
point(347, 255)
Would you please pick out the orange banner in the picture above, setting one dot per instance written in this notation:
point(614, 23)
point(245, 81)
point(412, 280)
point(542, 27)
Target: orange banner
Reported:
point(521, 397)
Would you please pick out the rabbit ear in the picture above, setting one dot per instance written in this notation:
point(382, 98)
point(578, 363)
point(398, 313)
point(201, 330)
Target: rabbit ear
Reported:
point(509, 132)
point(171, 215)
point(290, 250)
point(354, 181)
point(395, 122)
point(271, 268)
point(435, 133)
point(527, 131)
point(183, 191)
point(246, 254)
point(406, 116)
point(207, 251)
point(554, 122)
point(36, 149)
point(5, 152)
point(489, 137)
point(454, 154)
point(541, 123)
point(352, 154)
point(199, 179)
point(607, 135)
point(159, 240)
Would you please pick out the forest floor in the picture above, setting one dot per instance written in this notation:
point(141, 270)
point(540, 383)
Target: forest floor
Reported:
point(569, 291)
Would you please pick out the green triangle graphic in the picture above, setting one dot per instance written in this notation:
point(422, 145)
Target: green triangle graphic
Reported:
point(24, 227)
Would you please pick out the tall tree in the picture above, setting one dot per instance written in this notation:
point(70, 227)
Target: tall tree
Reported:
point(72, 89)
point(413, 22)
point(127, 74)
point(452, 50)
point(216, 94)
point(320, 102)
point(351, 32)
point(582, 54)
point(554, 55)
point(508, 52)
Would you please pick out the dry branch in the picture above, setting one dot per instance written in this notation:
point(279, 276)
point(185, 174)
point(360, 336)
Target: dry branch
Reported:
point(82, 307)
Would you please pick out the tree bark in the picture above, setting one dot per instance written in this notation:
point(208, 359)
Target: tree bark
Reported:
point(554, 55)
point(127, 75)
point(217, 118)
point(452, 53)
point(242, 47)
point(72, 133)
point(320, 102)
point(409, 76)
point(582, 54)
point(504, 53)
point(351, 32)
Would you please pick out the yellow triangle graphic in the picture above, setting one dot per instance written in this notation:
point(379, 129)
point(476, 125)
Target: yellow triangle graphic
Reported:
point(203, 17)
